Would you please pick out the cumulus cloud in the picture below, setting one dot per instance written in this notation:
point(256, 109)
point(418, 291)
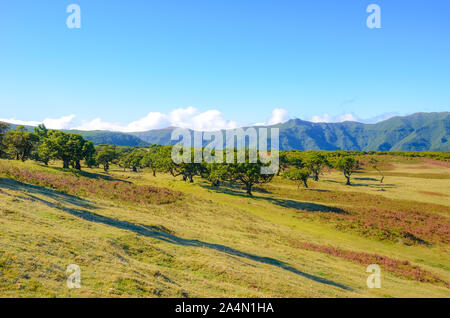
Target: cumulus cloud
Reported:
point(65, 122)
point(279, 115)
point(189, 117)
point(60, 123)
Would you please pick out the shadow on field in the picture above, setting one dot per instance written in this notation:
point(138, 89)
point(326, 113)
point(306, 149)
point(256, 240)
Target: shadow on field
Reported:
point(307, 206)
point(30, 189)
point(368, 185)
point(367, 179)
point(153, 232)
point(149, 231)
point(292, 204)
point(90, 175)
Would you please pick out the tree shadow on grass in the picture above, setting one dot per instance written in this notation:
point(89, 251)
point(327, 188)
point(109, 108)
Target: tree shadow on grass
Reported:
point(375, 186)
point(155, 232)
point(308, 206)
point(367, 185)
point(90, 175)
point(30, 189)
point(367, 179)
point(292, 204)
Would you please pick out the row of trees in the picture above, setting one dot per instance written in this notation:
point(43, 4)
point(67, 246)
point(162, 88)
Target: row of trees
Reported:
point(158, 159)
point(303, 165)
point(44, 145)
point(296, 166)
point(71, 149)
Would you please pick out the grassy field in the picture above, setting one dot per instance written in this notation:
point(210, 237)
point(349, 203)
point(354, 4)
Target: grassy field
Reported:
point(136, 235)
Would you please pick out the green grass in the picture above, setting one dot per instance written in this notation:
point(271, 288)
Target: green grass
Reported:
point(208, 242)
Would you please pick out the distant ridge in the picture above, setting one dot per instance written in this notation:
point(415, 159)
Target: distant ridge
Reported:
point(416, 132)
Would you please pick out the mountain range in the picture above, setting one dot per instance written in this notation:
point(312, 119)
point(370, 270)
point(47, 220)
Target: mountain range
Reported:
point(416, 132)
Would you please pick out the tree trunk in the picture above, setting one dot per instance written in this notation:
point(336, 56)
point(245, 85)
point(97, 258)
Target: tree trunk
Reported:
point(249, 190)
point(78, 165)
point(191, 179)
point(348, 180)
point(134, 169)
point(305, 183)
point(154, 172)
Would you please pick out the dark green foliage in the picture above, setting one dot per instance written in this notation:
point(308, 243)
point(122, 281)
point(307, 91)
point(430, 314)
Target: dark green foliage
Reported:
point(133, 160)
point(71, 149)
point(347, 165)
point(106, 155)
point(297, 175)
point(19, 143)
point(314, 163)
point(156, 159)
point(3, 129)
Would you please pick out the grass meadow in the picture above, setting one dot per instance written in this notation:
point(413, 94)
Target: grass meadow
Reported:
point(136, 235)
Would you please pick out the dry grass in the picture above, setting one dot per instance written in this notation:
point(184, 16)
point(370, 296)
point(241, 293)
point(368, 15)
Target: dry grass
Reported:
point(94, 185)
point(206, 243)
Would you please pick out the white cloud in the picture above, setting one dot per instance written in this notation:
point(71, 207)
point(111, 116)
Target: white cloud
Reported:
point(20, 122)
point(97, 124)
point(326, 118)
point(279, 115)
point(189, 117)
point(65, 122)
point(153, 120)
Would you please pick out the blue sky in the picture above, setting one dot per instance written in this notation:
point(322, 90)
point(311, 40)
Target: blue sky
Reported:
point(146, 64)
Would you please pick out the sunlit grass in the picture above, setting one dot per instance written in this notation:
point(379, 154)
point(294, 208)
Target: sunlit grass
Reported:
point(207, 243)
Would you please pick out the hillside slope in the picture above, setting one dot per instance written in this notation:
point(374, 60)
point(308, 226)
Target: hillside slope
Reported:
point(417, 132)
point(206, 242)
point(101, 137)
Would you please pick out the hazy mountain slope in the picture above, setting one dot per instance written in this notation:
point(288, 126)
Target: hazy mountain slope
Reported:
point(156, 136)
point(99, 137)
point(417, 132)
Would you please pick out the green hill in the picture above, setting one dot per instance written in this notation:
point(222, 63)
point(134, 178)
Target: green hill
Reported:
point(101, 137)
point(417, 132)
point(139, 235)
